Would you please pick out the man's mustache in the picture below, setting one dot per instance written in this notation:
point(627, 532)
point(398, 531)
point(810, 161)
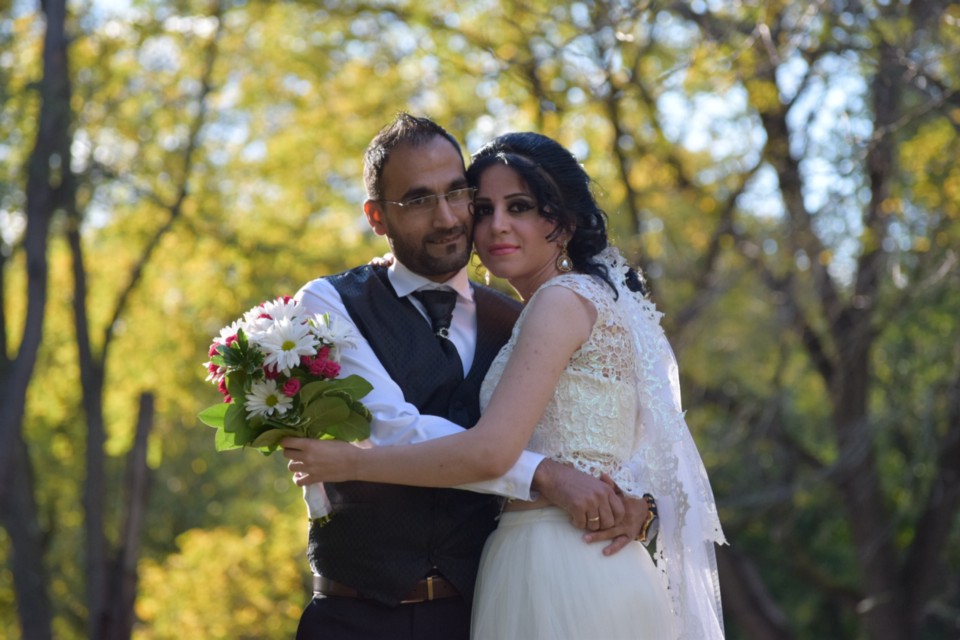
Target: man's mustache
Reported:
point(441, 236)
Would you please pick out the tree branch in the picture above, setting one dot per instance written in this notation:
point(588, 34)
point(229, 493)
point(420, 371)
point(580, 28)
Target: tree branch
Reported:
point(922, 572)
point(745, 594)
point(176, 207)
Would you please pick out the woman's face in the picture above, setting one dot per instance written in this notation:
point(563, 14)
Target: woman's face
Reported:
point(510, 234)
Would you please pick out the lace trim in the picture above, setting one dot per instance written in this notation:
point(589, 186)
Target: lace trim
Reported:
point(666, 459)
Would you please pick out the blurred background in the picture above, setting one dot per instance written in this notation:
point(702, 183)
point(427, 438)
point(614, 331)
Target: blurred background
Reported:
point(785, 173)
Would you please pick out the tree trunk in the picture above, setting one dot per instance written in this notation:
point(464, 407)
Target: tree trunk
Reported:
point(92, 378)
point(18, 515)
point(884, 616)
point(48, 161)
point(123, 581)
point(745, 595)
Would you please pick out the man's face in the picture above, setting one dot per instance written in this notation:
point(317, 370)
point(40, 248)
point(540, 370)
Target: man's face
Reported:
point(435, 242)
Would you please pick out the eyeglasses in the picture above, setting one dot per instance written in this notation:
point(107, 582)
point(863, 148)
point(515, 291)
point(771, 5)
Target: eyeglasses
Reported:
point(427, 204)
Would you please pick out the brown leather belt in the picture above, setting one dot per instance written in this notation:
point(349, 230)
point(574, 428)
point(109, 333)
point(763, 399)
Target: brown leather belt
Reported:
point(430, 588)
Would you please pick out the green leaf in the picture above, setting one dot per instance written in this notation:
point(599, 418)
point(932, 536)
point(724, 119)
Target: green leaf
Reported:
point(271, 439)
point(355, 386)
point(225, 441)
point(234, 420)
point(355, 427)
point(236, 383)
point(314, 389)
point(326, 410)
point(361, 409)
point(214, 416)
point(248, 430)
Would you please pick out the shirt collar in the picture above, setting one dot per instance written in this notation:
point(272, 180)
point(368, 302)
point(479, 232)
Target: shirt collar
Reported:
point(405, 281)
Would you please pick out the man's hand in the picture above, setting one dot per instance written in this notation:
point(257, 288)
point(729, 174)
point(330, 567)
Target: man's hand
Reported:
point(627, 530)
point(592, 503)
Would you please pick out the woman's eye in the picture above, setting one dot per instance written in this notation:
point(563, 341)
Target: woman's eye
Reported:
point(481, 210)
point(517, 208)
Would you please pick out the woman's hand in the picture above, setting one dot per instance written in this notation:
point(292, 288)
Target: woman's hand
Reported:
point(386, 260)
point(633, 524)
point(314, 461)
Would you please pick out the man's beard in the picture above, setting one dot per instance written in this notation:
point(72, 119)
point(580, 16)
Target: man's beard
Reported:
point(421, 260)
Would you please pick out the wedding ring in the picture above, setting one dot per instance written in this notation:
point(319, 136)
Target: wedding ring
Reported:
point(597, 519)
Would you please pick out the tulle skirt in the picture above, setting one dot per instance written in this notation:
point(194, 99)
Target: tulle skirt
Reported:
point(540, 581)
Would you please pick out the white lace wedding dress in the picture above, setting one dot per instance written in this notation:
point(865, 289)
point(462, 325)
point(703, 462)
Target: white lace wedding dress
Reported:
point(615, 410)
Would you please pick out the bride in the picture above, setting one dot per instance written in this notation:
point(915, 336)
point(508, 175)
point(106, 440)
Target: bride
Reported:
point(587, 378)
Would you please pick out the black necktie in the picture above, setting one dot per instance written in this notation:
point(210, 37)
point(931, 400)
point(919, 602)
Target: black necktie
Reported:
point(439, 304)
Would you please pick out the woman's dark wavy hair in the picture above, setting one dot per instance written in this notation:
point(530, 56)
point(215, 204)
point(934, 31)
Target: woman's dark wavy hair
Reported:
point(562, 189)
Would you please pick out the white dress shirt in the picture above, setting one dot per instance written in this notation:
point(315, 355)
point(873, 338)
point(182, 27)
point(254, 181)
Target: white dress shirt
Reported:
point(396, 421)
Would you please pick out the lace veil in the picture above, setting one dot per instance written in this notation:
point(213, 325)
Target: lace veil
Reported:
point(665, 459)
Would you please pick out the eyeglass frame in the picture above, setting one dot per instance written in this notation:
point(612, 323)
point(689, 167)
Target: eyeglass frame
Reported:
point(436, 200)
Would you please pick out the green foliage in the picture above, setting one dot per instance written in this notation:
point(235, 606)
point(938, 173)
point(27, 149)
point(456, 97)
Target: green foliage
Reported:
point(252, 584)
point(672, 111)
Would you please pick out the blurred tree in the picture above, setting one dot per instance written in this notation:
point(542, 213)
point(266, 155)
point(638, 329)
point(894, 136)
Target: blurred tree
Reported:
point(48, 185)
point(841, 93)
point(256, 591)
point(784, 173)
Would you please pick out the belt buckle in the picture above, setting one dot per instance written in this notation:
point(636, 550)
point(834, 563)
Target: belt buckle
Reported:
point(430, 596)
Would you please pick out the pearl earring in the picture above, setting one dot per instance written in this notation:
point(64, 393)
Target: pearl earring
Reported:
point(564, 263)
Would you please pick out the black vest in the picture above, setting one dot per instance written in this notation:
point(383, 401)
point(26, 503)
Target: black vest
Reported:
point(382, 538)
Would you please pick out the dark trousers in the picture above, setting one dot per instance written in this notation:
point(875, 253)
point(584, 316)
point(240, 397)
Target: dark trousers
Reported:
point(336, 618)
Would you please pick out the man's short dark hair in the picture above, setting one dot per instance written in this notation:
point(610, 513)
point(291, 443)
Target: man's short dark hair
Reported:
point(405, 129)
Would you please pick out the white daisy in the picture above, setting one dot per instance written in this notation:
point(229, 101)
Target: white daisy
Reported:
point(256, 321)
point(336, 334)
point(280, 308)
point(265, 399)
point(230, 331)
point(284, 342)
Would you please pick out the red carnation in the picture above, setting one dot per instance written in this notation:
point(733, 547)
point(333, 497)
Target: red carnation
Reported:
point(223, 389)
point(291, 387)
point(331, 369)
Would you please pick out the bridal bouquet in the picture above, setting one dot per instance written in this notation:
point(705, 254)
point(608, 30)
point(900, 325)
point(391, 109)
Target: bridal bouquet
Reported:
point(277, 367)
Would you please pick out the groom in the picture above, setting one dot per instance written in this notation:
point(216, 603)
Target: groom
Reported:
point(395, 561)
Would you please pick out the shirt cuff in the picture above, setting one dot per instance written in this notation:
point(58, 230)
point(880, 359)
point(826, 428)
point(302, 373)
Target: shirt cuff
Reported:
point(516, 483)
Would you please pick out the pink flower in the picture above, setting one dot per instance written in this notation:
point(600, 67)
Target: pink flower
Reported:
point(323, 353)
point(231, 340)
point(291, 387)
point(213, 349)
point(270, 372)
point(317, 367)
point(223, 389)
point(306, 361)
point(324, 368)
